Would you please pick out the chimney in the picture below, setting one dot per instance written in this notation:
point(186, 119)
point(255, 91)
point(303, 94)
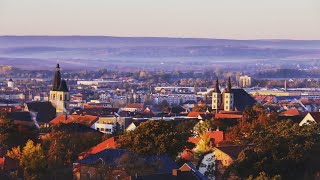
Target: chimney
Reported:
point(175, 172)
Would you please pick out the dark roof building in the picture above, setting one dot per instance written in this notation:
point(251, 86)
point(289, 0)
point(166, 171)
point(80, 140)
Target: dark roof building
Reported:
point(45, 111)
point(241, 99)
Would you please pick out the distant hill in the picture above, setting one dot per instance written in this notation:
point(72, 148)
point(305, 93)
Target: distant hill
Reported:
point(92, 52)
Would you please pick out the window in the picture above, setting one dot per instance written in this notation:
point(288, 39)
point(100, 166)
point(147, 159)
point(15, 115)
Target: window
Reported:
point(227, 107)
point(98, 129)
point(101, 129)
point(54, 96)
point(60, 97)
point(227, 96)
point(214, 101)
point(227, 101)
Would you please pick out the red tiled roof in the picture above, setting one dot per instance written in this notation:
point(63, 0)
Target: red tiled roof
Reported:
point(228, 116)
point(316, 116)
point(109, 143)
point(194, 140)
point(194, 114)
point(187, 155)
point(86, 120)
point(292, 112)
point(2, 162)
point(148, 111)
point(217, 136)
point(135, 105)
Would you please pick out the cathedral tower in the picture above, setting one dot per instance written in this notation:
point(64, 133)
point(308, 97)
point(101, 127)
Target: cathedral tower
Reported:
point(228, 98)
point(59, 94)
point(216, 97)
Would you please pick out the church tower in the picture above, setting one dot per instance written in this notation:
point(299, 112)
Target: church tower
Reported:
point(59, 94)
point(228, 98)
point(216, 97)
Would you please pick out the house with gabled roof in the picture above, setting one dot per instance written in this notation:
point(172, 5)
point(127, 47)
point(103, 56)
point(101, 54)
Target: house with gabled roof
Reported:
point(134, 107)
point(134, 125)
point(311, 117)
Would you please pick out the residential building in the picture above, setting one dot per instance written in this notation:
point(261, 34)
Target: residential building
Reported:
point(311, 117)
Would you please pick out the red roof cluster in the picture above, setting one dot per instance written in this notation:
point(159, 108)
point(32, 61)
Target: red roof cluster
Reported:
point(86, 120)
point(194, 114)
point(109, 143)
point(216, 136)
point(291, 112)
point(228, 115)
point(135, 105)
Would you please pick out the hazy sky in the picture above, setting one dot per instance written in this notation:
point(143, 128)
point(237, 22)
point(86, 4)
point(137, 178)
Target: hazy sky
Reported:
point(237, 19)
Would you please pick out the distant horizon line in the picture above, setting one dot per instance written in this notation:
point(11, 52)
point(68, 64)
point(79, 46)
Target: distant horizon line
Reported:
point(165, 37)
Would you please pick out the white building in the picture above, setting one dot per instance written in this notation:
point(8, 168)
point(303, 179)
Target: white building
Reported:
point(11, 84)
point(174, 98)
point(244, 81)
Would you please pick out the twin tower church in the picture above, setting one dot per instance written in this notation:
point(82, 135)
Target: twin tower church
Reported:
point(230, 99)
point(59, 94)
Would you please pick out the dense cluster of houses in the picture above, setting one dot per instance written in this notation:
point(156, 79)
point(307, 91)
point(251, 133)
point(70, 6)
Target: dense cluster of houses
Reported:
point(59, 107)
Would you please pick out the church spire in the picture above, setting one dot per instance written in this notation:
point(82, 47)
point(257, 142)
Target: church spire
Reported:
point(217, 89)
point(229, 85)
point(57, 79)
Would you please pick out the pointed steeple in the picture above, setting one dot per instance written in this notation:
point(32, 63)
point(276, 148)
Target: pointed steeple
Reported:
point(63, 86)
point(229, 85)
point(57, 79)
point(217, 89)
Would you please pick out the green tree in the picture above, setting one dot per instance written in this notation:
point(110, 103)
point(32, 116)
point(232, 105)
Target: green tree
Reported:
point(155, 137)
point(202, 127)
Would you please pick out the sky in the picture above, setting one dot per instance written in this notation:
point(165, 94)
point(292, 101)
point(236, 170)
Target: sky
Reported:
point(227, 19)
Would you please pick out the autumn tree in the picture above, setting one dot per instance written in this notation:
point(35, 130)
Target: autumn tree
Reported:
point(205, 144)
point(155, 138)
point(253, 119)
point(281, 149)
point(64, 146)
point(31, 159)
